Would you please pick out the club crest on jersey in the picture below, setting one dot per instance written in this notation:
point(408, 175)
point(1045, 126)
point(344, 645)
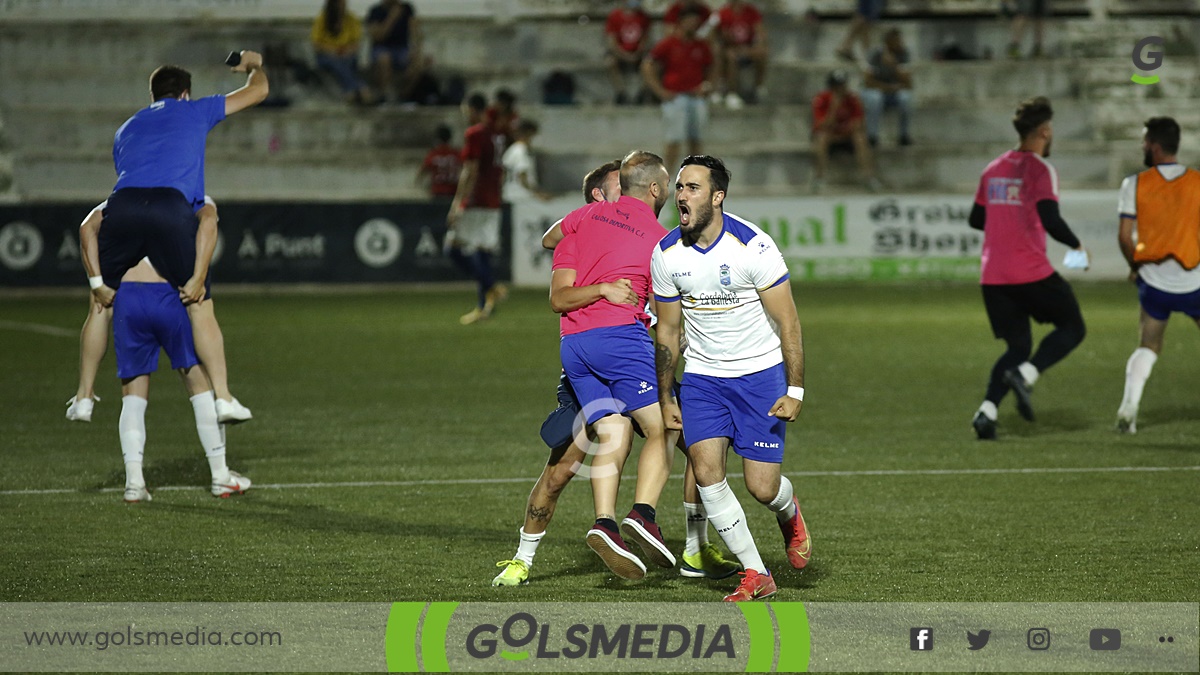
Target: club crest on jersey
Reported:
point(724, 272)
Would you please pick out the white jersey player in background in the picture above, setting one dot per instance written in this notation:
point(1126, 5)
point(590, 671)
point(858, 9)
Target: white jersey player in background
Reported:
point(726, 282)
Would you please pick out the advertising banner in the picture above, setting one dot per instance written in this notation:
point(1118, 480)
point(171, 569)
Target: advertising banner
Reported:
point(261, 243)
point(863, 238)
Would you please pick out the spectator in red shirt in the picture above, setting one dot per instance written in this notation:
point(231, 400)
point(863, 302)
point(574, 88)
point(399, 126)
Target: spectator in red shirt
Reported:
point(678, 71)
point(442, 165)
point(473, 224)
point(627, 32)
point(743, 42)
point(674, 12)
point(838, 124)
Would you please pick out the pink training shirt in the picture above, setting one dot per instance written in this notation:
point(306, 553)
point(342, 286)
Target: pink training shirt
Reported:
point(604, 242)
point(1014, 241)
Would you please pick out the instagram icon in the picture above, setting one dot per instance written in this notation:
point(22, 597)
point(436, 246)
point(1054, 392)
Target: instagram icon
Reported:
point(1038, 639)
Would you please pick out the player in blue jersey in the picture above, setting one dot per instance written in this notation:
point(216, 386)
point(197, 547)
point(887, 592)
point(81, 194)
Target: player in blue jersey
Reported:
point(148, 316)
point(159, 158)
point(744, 372)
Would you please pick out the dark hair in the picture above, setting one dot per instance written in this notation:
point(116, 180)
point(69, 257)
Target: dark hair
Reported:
point(1165, 132)
point(836, 77)
point(718, 175)
point(169, 82)
point(638, 170)
point(506, 98)
point(477, 102)
point(527, 126)
point(1031, 114)
point(443, 133)
point(690, 10)
point(595, 178)
point(333, 14)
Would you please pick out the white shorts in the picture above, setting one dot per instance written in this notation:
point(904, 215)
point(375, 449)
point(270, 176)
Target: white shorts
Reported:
point(478, 230)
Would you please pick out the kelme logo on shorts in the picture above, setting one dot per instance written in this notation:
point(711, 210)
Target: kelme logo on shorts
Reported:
point(1148, 57)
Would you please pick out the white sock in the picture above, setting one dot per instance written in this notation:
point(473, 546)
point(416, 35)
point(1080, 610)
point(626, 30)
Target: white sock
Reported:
point(728, 517)
point(697, 528)
point(989, 410)
point(211, 432)
point(783, 505)
point(1029, 373)
point(132, 427)
point(528, 546)
point(1137, 371)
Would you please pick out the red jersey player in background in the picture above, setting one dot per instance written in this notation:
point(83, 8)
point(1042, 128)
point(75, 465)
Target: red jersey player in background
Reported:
point(442, 165)
point(1016, 206)
point(626, 32)
point(473, 224)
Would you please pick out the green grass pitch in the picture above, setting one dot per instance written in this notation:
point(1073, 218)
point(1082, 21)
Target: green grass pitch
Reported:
point(361, 387)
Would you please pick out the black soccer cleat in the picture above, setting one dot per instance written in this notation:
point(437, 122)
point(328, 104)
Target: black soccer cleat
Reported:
point(1024, 393)
point(985, 428)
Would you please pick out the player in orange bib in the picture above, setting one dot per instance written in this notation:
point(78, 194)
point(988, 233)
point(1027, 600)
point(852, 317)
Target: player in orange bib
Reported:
point(1160, 238)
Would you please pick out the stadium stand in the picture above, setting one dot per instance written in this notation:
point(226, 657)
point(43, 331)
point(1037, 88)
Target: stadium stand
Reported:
point(69, 84)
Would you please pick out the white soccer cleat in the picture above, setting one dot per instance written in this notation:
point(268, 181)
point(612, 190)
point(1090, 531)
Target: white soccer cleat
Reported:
point(232, 412)
point(81, 410)
point(232, 484)
point(136, 493)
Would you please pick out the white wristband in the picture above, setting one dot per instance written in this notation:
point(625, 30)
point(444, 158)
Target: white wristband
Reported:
point(796, 393)
point(95, 282)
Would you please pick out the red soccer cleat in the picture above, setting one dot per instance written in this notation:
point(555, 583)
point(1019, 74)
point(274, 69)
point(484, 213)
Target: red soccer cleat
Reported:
point(795, 539)
point(754, 586)
point(615, 553)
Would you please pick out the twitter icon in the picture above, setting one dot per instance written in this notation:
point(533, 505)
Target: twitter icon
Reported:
point(978, 640)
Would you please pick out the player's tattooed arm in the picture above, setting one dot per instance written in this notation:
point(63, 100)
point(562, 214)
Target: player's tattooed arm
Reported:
point(666, 349)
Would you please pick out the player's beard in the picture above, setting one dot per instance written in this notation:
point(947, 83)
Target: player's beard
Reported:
point(1046, 150)
point(701, 217)
point(1147, 158)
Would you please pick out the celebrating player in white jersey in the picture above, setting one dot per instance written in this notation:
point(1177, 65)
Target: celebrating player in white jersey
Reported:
point(744, 374)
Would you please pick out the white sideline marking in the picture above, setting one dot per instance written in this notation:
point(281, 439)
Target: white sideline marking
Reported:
point(501, 481)
point(39, 328)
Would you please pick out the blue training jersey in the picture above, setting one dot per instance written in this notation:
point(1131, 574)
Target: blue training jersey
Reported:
point(163, 146)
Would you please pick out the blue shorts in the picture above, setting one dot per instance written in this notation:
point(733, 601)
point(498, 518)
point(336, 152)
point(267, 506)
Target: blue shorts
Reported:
point(559, 428)
point(871, 10)
point(397, 55)
point(611, 369)
point(736, 408)
point(1160, 304)
point(147, 317)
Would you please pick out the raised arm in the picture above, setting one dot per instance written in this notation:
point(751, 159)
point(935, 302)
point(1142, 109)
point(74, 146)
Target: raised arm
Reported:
point(256, 88)
point(781, 307)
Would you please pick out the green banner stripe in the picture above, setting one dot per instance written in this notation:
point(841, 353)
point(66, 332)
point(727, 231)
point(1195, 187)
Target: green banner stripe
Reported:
point(762, 637)
point(433, 636)
point(400, 643)
point(795, 642)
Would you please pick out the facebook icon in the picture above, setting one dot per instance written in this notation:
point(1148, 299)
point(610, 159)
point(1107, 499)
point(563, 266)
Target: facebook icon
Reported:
point(920, 639)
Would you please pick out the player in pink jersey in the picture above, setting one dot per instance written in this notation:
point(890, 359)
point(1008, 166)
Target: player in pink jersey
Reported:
point(600, 286)
point(1016, 206)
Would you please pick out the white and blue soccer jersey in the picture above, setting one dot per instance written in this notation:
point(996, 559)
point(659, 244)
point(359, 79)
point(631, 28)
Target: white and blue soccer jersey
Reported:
point(728, 332)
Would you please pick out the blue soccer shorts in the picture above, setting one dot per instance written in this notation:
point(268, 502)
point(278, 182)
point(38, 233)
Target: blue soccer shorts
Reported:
point(736, 408)
point(611, 369)
point(1159, 304)
point(147, 317)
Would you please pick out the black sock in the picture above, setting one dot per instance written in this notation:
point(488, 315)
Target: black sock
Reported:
point(645, 511)
point(607, 522)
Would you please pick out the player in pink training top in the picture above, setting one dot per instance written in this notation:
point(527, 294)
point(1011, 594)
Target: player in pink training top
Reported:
point(1016, 206)
point(600, 286)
